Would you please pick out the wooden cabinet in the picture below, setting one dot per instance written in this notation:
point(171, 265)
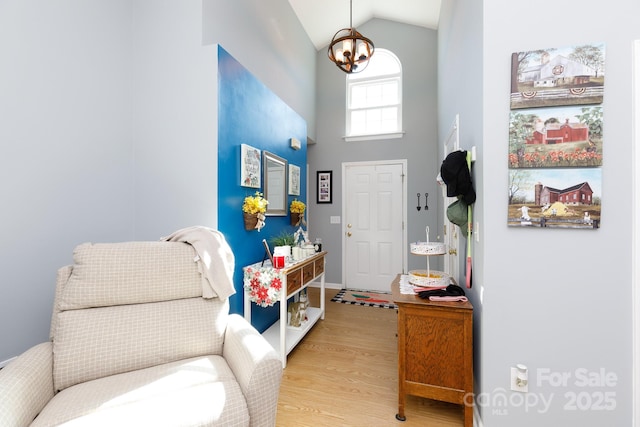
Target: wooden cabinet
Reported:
point(435, 351)
point(296, 277)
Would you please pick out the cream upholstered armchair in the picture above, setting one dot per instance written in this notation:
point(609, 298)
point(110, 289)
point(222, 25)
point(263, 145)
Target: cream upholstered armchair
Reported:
point(134, 343)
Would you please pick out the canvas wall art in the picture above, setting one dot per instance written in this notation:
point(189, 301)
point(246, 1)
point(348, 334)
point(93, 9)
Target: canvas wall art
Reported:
point(555, 198)
point(572, 75)
point(556, 137)
point(569, 136)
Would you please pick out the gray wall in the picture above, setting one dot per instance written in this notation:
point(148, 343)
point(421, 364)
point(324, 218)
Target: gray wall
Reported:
point(109, 128)
point(416, 49)
point(460, 71)
point(175, 96)
point(65, 141)
point(555, 300)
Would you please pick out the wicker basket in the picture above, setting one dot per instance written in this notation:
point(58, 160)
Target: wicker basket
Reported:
point(250, 221)
point(295, 218)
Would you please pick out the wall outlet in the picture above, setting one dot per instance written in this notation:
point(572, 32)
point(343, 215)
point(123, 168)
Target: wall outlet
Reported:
point(334, 220)
point(520, 379)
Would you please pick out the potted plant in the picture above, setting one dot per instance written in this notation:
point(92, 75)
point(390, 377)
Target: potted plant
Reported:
point(285, 240)
point(297, 209)
point(253, 210)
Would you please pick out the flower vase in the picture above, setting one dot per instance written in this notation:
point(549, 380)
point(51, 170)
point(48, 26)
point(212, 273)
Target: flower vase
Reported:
point(295, 219)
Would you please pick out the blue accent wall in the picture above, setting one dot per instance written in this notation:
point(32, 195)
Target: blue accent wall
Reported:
point(249, 113)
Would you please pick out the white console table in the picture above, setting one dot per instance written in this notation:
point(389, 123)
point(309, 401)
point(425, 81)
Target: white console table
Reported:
point(295, 277)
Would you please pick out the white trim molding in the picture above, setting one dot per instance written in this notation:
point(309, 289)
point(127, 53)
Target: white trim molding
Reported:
point(635, 273)
point(373, 137)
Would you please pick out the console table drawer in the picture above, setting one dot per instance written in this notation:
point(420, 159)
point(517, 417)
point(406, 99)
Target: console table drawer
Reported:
point(294, 281)
point(319, 266)
point(307, 273)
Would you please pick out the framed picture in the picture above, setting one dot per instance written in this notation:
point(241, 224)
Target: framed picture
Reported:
point(294, 180)
point(249, 166)
point(324, 193)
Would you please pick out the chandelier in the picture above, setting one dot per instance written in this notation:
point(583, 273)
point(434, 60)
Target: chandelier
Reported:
point(349, 49)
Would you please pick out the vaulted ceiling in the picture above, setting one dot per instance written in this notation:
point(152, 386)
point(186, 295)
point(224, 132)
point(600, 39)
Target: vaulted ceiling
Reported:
point(321, 19)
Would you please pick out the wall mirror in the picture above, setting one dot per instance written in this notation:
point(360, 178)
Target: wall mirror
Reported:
point(275, 184)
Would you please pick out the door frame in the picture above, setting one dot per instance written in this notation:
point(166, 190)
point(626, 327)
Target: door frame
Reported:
point(345, 165)
point(635, 271)
point(451, 266)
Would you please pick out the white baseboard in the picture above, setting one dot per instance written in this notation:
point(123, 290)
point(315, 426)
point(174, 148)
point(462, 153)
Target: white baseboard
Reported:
point(326, 285)
point(6, 362)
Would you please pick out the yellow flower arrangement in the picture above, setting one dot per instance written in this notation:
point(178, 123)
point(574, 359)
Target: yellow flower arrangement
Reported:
point(297, 206)
point(255, 204)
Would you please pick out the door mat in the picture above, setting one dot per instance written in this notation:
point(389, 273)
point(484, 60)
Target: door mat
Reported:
point(360, 297)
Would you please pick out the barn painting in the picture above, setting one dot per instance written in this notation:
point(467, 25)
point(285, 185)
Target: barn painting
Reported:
point(572, 75)
point(562, 137)
point(555, 198)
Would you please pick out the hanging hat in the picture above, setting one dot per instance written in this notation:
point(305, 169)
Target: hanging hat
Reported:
point(457, 213)
point(455, 173)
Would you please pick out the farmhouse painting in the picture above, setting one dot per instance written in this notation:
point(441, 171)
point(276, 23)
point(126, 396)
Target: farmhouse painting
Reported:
point(555, 198)
point(554, 137)
point(571, 75)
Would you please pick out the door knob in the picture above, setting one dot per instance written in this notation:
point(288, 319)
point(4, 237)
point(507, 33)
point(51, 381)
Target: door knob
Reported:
point(348, 234)
point(348, 225)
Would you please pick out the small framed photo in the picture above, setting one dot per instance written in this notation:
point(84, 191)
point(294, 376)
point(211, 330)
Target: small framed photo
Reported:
point(324, 190)
point(294, 180)
point(249, 166)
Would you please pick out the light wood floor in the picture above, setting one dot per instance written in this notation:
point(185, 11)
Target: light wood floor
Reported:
point(344, 373)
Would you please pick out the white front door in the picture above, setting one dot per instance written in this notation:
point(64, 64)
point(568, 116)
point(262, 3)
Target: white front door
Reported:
point(374, 211)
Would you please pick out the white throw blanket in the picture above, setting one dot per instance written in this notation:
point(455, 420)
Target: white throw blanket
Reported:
point(215, 259)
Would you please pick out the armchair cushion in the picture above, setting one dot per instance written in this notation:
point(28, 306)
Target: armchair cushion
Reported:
point(200, 391)
point(97, 342)
point(106, 274)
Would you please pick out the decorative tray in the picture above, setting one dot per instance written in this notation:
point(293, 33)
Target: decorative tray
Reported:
point(428, 248)
point(431, 279)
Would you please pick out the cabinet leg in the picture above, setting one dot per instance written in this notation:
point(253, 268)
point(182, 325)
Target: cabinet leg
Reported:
point(401, 399)
point(468, 415)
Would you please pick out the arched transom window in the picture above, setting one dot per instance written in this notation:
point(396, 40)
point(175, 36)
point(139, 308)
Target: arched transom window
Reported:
point(374, 99)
